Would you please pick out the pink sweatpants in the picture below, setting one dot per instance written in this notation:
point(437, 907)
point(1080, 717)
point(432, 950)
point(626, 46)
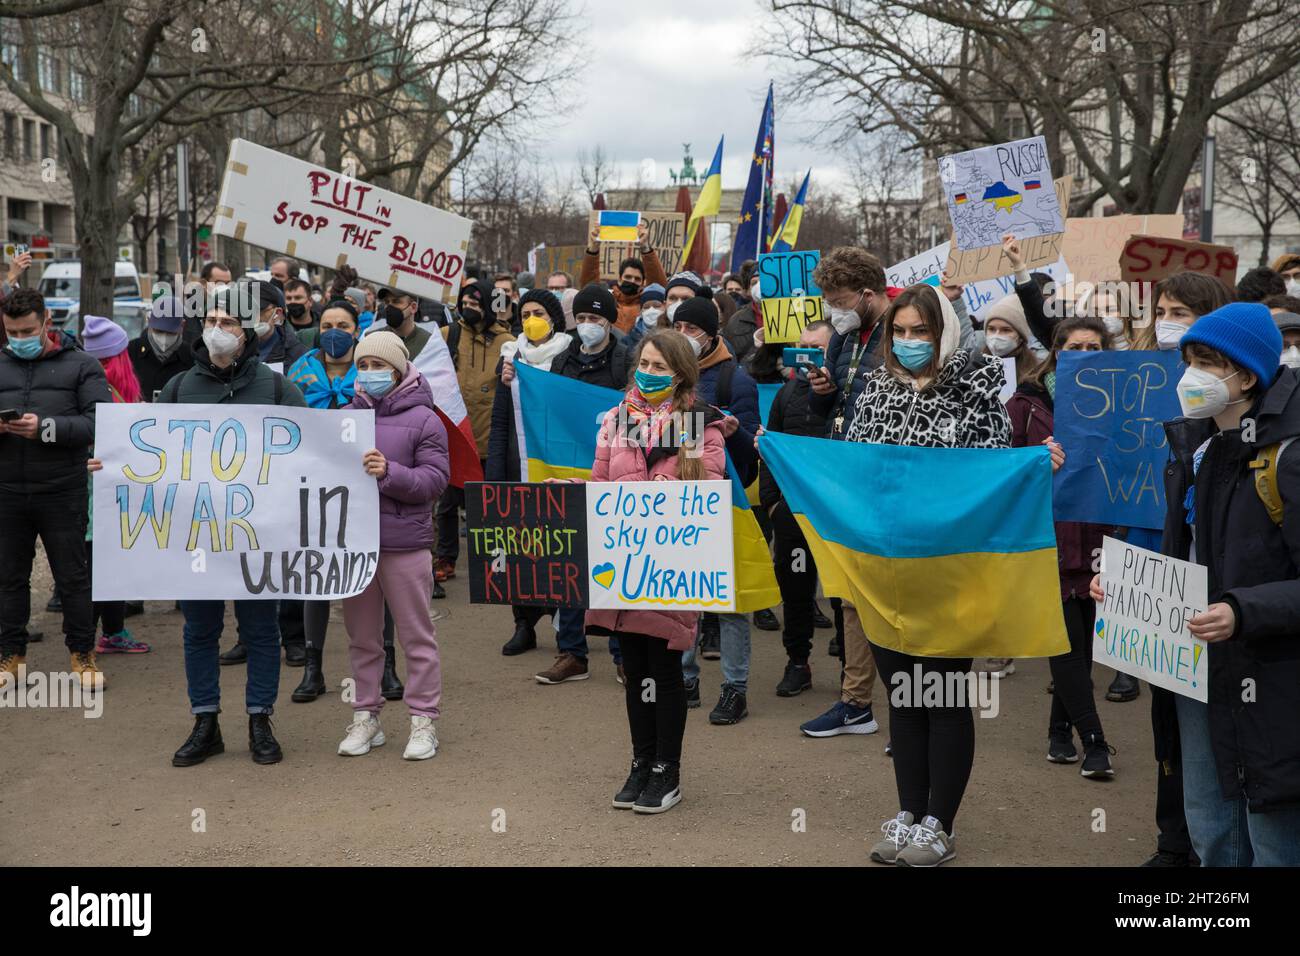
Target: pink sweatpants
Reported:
point(405, 580)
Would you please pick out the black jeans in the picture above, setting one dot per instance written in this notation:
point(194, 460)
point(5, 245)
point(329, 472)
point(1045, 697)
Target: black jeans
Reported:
point(656, 697)
point(60, 522)
point(1171, 818)
point(112, 614)
point(447, 519)
point(796, 576)
point(1072, 697)
point(292, 622)
point(934, 747)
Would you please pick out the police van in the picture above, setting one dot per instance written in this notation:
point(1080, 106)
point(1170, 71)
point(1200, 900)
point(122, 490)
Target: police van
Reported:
point(61, 286)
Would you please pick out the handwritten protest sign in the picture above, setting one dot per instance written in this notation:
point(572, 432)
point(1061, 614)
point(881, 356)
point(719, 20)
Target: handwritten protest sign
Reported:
point(242, 502)
point(1141, 624)
point(927, 266)
point(527, 543)
point(665, 231)
point(790, 297)
point(1093, 244)
point(278, 202)
point(1110, 407)
point(995, 190)
point(558, 259)
point(924, 267)
point(1152, 258)
point(661, 545)
point(990, 262)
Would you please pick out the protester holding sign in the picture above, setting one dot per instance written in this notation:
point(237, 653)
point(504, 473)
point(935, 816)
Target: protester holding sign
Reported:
point(660, 432)
point(410, 460)
point(594, 355)
point(50, 390)
point(929, 392)
point(1180, 300)
point(633, 274)
point(1031, 410)
point(227, 371)
point(1006, 335)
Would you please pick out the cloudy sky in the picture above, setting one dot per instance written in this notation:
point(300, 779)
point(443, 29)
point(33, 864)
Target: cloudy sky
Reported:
point(655, 76)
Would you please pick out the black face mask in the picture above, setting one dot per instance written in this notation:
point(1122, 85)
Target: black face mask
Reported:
point(473, 316)
point(296, 310)
point(629, 288)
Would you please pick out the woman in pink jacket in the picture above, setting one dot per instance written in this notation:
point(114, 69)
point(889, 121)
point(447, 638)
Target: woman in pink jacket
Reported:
point(657, 433)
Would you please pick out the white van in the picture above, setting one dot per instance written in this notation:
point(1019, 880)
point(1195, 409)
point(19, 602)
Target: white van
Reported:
point(61, 286)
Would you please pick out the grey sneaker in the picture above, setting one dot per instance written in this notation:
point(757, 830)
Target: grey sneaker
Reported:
point(996, 666)
point(895, 830)
point(927, 845)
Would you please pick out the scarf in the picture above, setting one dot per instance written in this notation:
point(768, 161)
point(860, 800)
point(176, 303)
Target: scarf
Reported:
point(321, 391)
point(646, 423)
point(539, 355)
point(1049, 382)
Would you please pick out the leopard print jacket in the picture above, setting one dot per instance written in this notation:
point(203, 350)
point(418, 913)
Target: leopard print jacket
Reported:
point(959, 409)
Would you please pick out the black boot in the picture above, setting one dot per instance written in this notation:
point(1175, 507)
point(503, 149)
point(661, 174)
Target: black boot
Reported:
point(295, 655)
point(1123, 688)
point(390, 686)
point(261, 742)
point(313, 679)
point(236, 655)
point(524, 639)
point(204, 742)
point(438, 592)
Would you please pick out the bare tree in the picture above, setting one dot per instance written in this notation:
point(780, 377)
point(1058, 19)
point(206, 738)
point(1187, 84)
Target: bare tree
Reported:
point(596, 172)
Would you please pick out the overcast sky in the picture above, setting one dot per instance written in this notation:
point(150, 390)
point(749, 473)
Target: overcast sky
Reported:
point(655, 76)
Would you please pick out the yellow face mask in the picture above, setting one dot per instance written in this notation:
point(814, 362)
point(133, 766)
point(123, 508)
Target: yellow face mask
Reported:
point(536, 328)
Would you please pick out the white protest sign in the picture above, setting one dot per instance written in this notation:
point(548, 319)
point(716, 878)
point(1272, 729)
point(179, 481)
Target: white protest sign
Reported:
point(1142, 622)
point(233, 502)
point(1008, 379)
point(663, 546)
point(278, 202)
point(923, 267)
point(995, 190)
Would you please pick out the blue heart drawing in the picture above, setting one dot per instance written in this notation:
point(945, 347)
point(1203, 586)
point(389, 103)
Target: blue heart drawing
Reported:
point(603, 574)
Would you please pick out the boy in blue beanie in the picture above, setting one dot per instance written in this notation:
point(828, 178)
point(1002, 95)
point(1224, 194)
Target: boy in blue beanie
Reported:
point(1241, 750)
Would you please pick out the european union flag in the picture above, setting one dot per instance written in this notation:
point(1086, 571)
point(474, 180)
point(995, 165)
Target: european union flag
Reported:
point(753, 226)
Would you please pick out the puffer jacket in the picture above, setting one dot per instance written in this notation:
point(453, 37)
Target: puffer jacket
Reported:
point(246, 382)
point(619, 458)
point(739, 330)
point(60, 386)
point(409, 433)
point(609, 368)
point(958, 409)
point(1254, 566)
point(743, 405)
point(476, 358)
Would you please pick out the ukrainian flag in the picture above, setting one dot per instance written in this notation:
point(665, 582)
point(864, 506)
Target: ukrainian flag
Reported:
point(618, 226)
point(788, 234)
point(953, 554)
point(554, 444)
point(708, 204)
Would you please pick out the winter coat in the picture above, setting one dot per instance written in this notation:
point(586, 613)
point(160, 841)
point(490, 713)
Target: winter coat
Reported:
point(739, 331)
point(152, 373)
point(958, 409)
point(285, 348)
point(477, 356)
point(1077, 543)
point(840, 355)
point(619, 458)
point(61, 387)
point(246, 382)
point(629, 306)
point(791, 414)
point(608, 369)
point(743, 404)
point(503, 441)
point(409, 433)
point(1254, 566)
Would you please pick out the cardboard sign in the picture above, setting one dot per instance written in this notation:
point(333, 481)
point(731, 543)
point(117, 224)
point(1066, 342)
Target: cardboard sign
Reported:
point(666, 232)
point(1141, 624)
point(272, 200)
point(995, 190)
point(1110, 407)
point(558, 259)
point(1093, 244)
point(990, 262)
point(1152, 258)
point(660, 545)
point(618, 226)
point(790, 297)
point(527, 543)
point(233, 502)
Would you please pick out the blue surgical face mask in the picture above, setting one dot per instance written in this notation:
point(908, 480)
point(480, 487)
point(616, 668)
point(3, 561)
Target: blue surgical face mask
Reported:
point(653, 386)
point(913, 354)
point(27, 348)
point(336, 342)
point(376, 383)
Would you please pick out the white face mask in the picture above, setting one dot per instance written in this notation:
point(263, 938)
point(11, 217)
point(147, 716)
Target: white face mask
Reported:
point(591, 333)
point(845, 321)
point(1291, 357)
point(1169, 334)
point(1001, 345)
point(220, 342)
point(651, 316)
point(263, 329)
point(1293, 287)
point(672, 307)
point(696, 345)
point(163, 340)
point(1114, 325)
point(1202, 395)
point(756, 292)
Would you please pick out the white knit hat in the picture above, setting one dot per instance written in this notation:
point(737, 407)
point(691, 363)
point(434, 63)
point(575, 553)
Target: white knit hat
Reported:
point(386, 345)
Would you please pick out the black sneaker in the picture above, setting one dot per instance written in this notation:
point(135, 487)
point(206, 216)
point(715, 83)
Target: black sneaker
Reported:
point(1096, 758)
point(54, 604)
point(765, 620)
point(797, 679)
point(1060, 743)
point(626, 798)
point(261, 741)
point(692, 694)
point(1167, 858)
point(439, 593)
point(731, 707)
point(523, 639)
point(236, 655)
point(35, 637)
point(834, 648)
point(662, 792)
point(1123, 689)
point(820, 620)
point(710, 638)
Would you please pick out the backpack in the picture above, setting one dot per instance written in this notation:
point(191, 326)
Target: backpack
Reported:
point(1265, 467)
point(453, 344)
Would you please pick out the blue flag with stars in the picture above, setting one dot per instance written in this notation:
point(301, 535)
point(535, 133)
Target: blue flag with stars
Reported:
point(750, 230)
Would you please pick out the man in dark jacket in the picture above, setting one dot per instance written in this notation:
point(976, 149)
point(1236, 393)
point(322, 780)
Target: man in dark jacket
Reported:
point(595, 355)
point(160, 353)
point(277, 345)
point(48, 393)
point(298, 312)
point(228, 371)
point(1241, 750)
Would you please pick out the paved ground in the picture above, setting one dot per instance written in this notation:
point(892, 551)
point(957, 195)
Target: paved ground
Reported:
point(543, 761)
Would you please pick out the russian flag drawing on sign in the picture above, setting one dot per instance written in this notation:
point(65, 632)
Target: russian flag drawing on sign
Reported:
point(618, 226)
point(1031, 183)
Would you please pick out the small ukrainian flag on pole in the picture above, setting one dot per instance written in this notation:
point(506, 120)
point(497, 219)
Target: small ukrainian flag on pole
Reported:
point(618, 226)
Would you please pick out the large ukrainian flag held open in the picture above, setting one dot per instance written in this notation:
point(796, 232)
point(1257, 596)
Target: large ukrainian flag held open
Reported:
point(558, 420)
point(953, 554)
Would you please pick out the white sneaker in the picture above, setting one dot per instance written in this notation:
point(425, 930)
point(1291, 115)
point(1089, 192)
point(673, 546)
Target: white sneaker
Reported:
point(424, 739)
point(927, 845)
point(363, 733)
